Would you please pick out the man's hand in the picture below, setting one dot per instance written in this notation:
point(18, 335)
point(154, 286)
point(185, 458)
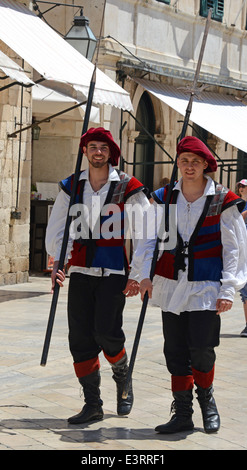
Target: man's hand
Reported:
point(222, 305)
point(146, 286)
point(56, 276)
point(131, 289)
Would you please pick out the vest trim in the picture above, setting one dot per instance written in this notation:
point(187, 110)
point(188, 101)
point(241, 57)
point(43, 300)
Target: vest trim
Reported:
point(204, 249)
point(103, 253)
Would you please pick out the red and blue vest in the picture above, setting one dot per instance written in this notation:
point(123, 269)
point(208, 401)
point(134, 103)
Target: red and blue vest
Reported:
point(100, 252)
point(204, 249)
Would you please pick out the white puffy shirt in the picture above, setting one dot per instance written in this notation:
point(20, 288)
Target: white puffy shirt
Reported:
point(56, 224)
point(181, 295)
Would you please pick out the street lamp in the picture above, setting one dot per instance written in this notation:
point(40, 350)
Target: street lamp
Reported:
point(81, 37)
point(36, 132)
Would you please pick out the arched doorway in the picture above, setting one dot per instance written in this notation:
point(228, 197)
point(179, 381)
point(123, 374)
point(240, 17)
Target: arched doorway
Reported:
point(144, 145)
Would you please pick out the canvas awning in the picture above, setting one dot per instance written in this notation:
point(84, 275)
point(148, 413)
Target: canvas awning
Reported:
point(47, 101)
point(220, 114)
point(54, 59)
point(12, 70)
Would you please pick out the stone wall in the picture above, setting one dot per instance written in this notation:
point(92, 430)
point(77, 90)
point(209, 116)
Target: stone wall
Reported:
point(15, 174)
point(154, 32)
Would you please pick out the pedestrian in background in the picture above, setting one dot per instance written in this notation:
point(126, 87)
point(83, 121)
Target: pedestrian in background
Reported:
point(242, 192)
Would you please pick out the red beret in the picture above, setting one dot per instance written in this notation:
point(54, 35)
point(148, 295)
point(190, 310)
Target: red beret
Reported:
point(194, 145)
point(101, 134)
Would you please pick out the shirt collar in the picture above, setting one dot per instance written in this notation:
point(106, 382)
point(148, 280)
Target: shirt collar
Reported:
point(209, 188)
point(112, 175)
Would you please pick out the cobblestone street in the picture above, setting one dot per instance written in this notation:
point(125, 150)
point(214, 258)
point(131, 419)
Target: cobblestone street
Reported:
point(36, 401)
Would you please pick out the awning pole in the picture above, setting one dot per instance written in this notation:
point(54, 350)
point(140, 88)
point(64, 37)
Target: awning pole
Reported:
point(47, 119)
point(19, 83)
point(69, 218)
point(156, 251)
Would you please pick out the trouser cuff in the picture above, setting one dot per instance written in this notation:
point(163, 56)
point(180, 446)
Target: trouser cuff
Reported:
point(181, 383)
point(203, 379)
point(114, 359)
point(86, 367)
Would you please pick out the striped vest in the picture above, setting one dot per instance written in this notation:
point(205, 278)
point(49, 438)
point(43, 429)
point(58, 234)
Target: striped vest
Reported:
point(97, 251)
point(204, 249)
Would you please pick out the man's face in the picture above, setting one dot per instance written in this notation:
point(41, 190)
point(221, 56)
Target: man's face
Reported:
point(97, 152)
point(191, 165)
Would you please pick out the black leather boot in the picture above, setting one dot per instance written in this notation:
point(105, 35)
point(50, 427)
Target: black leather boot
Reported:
point(120, 370)
point(210, 415)
point(182, 419)
point(92, 410)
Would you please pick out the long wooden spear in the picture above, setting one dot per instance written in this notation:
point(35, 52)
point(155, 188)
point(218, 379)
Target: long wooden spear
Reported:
point(172, 181)
point(72, 201)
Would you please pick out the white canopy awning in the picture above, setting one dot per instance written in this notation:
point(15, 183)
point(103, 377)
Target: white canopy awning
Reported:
point(53, 58)
point(47, 101)
point(220, 114)
point(12, 70)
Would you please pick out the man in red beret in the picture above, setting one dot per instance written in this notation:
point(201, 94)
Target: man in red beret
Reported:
point(195, 282)
point(98, 267)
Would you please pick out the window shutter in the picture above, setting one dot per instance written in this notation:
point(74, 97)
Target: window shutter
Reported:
point(217, 8)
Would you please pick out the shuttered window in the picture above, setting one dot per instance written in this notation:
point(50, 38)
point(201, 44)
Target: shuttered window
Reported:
point(217, 8)
point(164, 1)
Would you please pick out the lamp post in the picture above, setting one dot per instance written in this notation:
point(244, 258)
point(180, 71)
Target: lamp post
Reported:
point(81, 37)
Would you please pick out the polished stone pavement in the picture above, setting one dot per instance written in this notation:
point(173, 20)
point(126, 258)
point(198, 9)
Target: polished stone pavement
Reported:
point(36, 401)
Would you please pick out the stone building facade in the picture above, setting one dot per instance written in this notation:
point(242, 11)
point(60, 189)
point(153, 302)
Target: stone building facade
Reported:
point(160, 40)
point(156, 39)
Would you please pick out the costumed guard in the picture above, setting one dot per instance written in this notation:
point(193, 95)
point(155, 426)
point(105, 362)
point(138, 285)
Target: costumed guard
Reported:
point(196, 281)
point(98, 268)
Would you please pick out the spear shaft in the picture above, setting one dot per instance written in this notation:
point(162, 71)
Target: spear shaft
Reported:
point(53, 307)
point(66, 229)
point(172, 181)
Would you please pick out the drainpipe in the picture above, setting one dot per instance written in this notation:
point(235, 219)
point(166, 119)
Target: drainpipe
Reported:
point(17, 214)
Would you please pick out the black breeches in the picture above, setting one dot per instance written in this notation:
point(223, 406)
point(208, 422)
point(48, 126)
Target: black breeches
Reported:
point(95, 308)
point(190, 339)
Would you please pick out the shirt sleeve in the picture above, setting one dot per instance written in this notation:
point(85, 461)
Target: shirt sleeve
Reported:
point(136, 210)
point(234, 242)
point(56, 226)
point(143, 254)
